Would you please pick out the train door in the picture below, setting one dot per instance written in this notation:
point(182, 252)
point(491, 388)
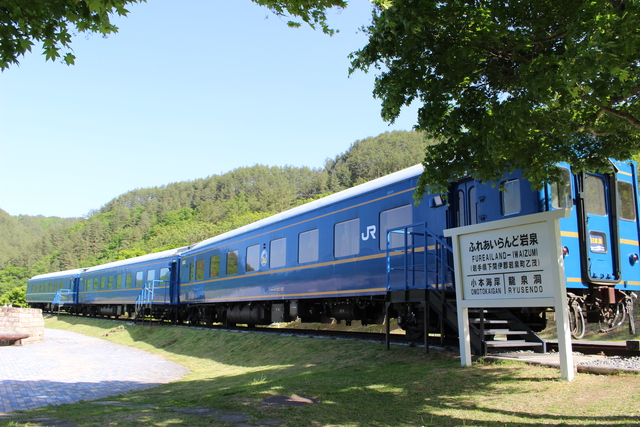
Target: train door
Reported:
point(627, 218)
point(599, 228)
point(464, 203)
point(174, 288)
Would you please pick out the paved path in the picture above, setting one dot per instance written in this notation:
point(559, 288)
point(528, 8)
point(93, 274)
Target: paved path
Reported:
point(68, 367)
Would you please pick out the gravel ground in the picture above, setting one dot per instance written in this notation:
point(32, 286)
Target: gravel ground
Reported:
point(614, 362)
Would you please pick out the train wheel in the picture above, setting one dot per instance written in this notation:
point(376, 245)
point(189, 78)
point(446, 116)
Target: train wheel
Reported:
point(576, 320)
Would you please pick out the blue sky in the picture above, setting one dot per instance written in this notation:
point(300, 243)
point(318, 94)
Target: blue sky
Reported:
point(180, 93)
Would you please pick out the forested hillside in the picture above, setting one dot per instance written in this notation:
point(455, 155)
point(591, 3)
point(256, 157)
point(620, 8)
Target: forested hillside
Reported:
point(178, 214)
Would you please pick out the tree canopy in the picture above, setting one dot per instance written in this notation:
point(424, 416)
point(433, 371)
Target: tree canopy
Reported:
point(508, 85)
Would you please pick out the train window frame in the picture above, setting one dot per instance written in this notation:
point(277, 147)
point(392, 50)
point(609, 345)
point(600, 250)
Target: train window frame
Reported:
point(129, 280)
point(510, 197)
point(473, 205)
point(232, 268)
point(119, 281)
point(199, 269)
point(595, 197)
point(346, 238)
point(139, 279)
point(103, 282)
point(110, 282)
point(393, 218)
point(278, 252)
point(626, 201)
point(151, 276)
point(252, 259)
point(308, 246)
point(214, 260)
point(192, 271)
point(561, 194)
point(165, 275)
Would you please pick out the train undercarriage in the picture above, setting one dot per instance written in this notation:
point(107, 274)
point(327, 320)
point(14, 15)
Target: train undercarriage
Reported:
point(608, 307)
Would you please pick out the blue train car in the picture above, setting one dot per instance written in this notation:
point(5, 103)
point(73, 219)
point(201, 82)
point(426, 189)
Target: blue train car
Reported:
point(113, 289)
point(600, 242)
point(54, 290)
point(322, 260)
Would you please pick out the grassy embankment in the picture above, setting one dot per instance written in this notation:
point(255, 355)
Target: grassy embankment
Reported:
point(356, 384)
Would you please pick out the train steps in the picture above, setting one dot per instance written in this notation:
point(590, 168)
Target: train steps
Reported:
point(502, 331)
point(420, 270)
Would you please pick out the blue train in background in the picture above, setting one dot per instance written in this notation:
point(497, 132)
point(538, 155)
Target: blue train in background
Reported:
point(370, 253)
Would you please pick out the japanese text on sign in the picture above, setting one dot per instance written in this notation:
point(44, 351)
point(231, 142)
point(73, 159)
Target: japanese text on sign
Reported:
point(506, 263)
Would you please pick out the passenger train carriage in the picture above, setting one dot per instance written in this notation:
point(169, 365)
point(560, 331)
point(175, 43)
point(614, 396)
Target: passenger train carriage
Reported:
point(334, 258)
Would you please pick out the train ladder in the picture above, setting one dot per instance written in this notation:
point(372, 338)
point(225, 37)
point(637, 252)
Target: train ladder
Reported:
point(144, 302)
point(61, 297)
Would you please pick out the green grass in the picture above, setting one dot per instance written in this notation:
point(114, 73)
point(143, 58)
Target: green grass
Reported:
point(355, 384)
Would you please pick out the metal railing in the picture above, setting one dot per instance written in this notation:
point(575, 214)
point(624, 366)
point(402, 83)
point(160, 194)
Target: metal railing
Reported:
point(62, 297)
point(417, 258)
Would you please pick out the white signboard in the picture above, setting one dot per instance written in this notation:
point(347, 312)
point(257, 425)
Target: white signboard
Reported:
point(514, 262)
point(509, 262)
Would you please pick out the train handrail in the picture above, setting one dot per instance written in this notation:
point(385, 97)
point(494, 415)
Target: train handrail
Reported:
point(417, 238)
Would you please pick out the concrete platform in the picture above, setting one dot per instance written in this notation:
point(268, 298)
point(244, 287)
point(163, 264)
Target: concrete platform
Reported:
point(68, 367)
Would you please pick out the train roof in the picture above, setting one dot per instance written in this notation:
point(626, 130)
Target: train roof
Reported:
point(402, 175)
point(140, 259)
point(65, 273)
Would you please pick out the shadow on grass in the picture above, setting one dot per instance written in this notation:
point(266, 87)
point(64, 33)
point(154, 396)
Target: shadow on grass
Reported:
point(355, 384)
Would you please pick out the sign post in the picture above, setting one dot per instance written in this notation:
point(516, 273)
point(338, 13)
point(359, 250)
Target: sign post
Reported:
point(514, 262)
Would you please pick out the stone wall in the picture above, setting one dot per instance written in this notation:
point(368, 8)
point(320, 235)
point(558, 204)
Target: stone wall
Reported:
point(27, 320)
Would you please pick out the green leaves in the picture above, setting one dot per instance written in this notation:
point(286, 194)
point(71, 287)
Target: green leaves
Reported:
point(312, 12)
point(510, 85)
point(51, 23)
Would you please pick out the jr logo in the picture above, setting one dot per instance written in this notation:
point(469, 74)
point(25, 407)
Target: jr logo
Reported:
point(371, 232)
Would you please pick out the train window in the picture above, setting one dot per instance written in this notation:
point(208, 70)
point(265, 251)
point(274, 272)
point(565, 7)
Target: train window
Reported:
point(511, 197)
point(626, 201)
point(119, 281)
point(473, 206)
point(232, 262)
point(151, 277)
point(346, 238)
point(200, 269)
point(595, 199)
point(214, 266)
point(561, 191)
point(191, 271)
point(393, 218)
point(460, 209)
point(129, 280)
point(308, 246)
point(278, 250)
point(110, 283)
point(253, 258)
point(103, 282)
point(139, 278)
point(164, 275)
